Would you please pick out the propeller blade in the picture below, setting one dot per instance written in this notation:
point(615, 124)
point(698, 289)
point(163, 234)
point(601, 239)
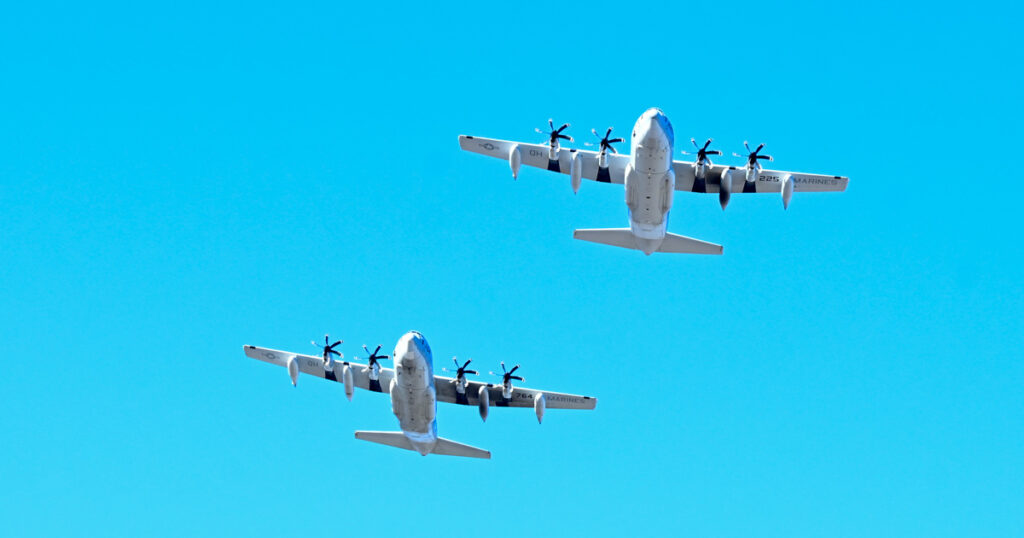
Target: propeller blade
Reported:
point(539, 131)
point(706, 144)
point(747, 146)
point(335, 344)
point(611, 147)
point(517, 378)
point(513, 370)
point(474, 372)
point(759, 148)
point(565, 137)
point(694, 142)
point(616, 140)
point(766, 157)
point(714, 152)
point(563, 127)
point(551, 123)
point(609, 133)
point(595, 133)
point(734, 154)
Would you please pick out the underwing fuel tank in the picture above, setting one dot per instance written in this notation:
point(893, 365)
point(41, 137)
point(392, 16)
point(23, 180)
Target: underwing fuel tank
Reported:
point(576, 172)
point(485, 402)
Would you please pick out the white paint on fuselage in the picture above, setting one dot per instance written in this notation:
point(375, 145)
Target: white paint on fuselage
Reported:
point(413, 397)
point(650, 179)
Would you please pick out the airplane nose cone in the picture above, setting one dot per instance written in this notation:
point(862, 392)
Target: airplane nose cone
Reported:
point(407, 345)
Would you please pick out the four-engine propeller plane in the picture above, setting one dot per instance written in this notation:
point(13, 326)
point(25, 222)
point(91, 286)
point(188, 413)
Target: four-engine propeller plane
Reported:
point(650, 176)
point(415, 391)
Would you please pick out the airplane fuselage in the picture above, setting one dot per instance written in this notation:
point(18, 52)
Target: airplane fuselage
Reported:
point(650, 179)
point(413, 397)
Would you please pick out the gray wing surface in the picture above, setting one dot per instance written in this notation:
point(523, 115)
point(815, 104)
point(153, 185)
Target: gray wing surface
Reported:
point(521, 396)
point(314, 366)
point(767, 180)
point(536, 155)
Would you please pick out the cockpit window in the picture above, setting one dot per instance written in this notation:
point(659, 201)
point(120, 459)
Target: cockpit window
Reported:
point(667, 127)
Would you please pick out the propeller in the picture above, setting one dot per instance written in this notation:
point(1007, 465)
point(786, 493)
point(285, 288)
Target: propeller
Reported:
point(328, 348)
point(752, 156)
point(702, 152)
point(461, 371)
point(507, 375)
point(374, 357)
point(605, 143)
point(555, 134)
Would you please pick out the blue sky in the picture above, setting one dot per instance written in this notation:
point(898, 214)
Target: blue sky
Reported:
point(179, 180)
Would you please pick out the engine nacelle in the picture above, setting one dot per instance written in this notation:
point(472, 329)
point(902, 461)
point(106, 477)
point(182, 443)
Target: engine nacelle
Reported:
point(515, 160)
point(538, 406)
point(725, 188)
point(293, 369)
point(787, 190)
point(553, 150)
point(485, 402)
point(752, 172)
point(346, 377)
point(576, 171)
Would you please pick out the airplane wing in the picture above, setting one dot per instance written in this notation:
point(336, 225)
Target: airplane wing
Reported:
point(536, 155)
point(767, 180)
point(521, 396)
point(314, 366)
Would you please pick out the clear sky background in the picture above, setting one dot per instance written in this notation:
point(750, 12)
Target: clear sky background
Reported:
point(178, 180)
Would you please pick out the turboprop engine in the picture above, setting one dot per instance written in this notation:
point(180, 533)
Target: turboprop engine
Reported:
point(753, 168)
point(554, 135)
point(506, 380)
point(703, 165)
point(327, 352)
point(460, 374)
point(605, 145)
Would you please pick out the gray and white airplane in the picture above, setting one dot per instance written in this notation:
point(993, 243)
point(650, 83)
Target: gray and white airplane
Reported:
point(651, 176)
point(415, 391)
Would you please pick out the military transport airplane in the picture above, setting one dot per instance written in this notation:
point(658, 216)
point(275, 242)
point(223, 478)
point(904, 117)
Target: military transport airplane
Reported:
point(650, 177)
point(415, 391)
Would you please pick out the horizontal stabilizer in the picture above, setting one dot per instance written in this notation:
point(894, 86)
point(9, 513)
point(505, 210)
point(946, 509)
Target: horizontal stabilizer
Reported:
point(623, 237)
point(688, 245)
point(616, 237)
point(395, 439)
point(444, 447)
